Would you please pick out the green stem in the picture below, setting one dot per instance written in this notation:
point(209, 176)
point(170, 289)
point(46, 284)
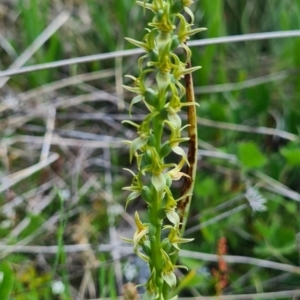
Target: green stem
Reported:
point(156, 256)
point(158, 131)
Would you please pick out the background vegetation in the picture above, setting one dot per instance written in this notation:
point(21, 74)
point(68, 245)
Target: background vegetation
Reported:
point(61, 217)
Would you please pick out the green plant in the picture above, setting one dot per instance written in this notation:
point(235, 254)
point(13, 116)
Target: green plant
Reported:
point(158, 136)
point(6, 280)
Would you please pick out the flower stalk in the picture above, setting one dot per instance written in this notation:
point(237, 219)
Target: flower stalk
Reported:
point(159, 136)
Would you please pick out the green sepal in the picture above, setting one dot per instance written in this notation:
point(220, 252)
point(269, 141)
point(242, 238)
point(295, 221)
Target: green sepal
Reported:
point(131, 123)
point(131, 197)
point(164, 43)
point(127, 240)
point(130, 171)
point(142, 256)
point(131, 89)
point(196, 30)
point(163, 80)
point(145, 5)
point(138, 44)
point(178, 150)
point(159, 15)
point(175, 120)
point(135, 100)
point(173, 217)
point(182, 73)
point(159, 182)
point(139, 160)
point(168, 180)
point(190, 13)
point(150, 39)
point(170, 279)
point(137, 144)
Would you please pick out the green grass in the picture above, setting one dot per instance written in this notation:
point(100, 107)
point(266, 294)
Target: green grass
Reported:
point(96, 27)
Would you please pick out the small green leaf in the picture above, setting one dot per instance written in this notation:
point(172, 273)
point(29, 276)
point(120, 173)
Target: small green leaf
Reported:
point(131, 197)
point(134, 101)
point(292, 156)
point(6, 280)
point(137, 144)
point(207, 187)
point(250, 155)
point(147, 194)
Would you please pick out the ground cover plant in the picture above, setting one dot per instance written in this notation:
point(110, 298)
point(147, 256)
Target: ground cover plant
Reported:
point(62, 155)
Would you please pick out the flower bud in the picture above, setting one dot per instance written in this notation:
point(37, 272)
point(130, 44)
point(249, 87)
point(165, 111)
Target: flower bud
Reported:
point(153, 55)
point(165, 150)
point(148, 157)
point(168, 180)
point(166, 245)
point(159, 15)
point(177, 7)
point(151, 97)
point(175, 42)
point(151, 140)
point(163, 80)
point(147, 248)
point(152, 230)
point(147, 194)
point(161, 214)
point(163, 114)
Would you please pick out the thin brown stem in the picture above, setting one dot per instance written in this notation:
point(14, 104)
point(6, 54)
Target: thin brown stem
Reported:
point(188, 186)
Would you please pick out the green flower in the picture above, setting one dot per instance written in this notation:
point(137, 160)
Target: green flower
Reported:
point(170, 209)
point(136, 188)
point(162, 20)
point(175, 139)
point(175, 173)
point(140, 236)
point(174, 237)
